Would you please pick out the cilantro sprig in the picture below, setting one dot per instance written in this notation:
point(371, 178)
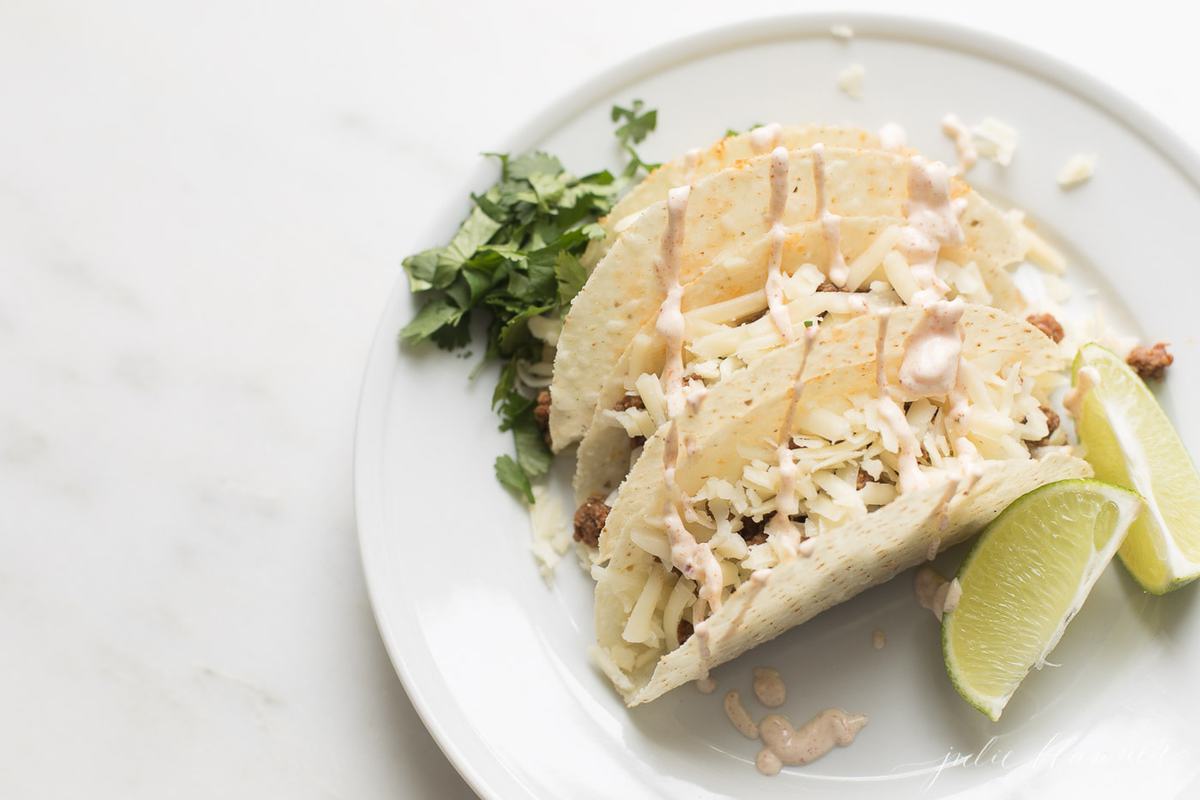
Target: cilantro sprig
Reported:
point(637, 122)
point(734, 132)
point(517, 256)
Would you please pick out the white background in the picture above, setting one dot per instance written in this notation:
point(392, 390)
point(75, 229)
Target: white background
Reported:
point(202, 208)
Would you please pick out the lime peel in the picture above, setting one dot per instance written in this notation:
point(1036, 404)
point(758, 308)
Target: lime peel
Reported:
point(1121, 424)
point(1010, 617)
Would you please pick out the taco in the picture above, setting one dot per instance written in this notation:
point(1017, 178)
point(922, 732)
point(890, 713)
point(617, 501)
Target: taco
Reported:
point(744, 213)
point(825, 468)
point(699, 163)
point(728, 325)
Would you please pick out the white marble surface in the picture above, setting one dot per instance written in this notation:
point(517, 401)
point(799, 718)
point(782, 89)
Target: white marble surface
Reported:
point(202, 206)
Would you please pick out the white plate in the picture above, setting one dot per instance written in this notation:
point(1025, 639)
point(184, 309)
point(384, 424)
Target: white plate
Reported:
point(494, 660)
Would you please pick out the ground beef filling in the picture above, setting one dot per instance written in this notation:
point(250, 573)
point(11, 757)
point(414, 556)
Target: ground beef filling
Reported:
point(829, 286)
point(755, 532)
point(629, 401)
point(624, 404)
point(684, 631)
point(589, 520)
point(1052, 423)
point(1150, 363)
point(863, 477)
point(541, 414)
point(1047, 324)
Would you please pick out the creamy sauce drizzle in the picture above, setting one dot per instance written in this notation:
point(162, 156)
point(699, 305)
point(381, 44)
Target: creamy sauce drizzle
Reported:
point(942, 514)
point(758, 581)
point(694, 392)
point(785, 744)
point(690, 159)
point(831, 224)
point(964, 142)
point(766, 137)
point(739, 716)
point(695, 560)
point(932, 224)
point(892, 417)
point(1086, 379)
point(951, 596)
point(911, 477)
point(933, 349)
point(926, 584)
point(892, 137)
point(669, 324)
point(936, 593)
point(782, 530)
point(958, 411)
point(970, 463)
point(883, 316)
point(769, 687)
point(704, 683)
point(776, 305)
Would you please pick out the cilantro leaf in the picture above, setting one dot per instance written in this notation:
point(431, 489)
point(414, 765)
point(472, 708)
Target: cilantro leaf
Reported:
point(421, 269)
point(531, 164)
point(513, 478)
point(475, 232)
point(533, 455)
point(637, 123)
point(516, 255)
point(506, 385)
point(636, 165)
point(513, 405)
point(433, 316)
point(516, 331)
point(454, 336)
point(570, 275)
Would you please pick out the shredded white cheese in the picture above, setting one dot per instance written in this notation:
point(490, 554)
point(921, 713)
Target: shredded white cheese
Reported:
point(1038, 251)
point(536, 375)
point(546, 329)
point(551, 534)
point(995, 140)
point(850, 80)
point(1078, 169)
point(964, 142)
point(604, 660)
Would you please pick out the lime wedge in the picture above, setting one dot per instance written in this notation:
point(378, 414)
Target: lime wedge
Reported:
point(1130, 442)
point(1025, 579)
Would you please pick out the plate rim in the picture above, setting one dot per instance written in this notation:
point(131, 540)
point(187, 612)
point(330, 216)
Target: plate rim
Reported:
point(377, 372)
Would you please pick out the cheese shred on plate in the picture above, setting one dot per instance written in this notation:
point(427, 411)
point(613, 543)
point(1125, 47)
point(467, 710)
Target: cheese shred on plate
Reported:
point(850, 80)
point(1079, 168)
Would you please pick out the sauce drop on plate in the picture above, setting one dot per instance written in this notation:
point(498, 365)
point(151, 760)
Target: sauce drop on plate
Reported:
point(936, 593)
point(785, 744)
point(769, 687)
point(739, 716)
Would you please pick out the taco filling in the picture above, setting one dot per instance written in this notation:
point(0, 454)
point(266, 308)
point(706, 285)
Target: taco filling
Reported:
point(813, 460)
point(805, 413)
